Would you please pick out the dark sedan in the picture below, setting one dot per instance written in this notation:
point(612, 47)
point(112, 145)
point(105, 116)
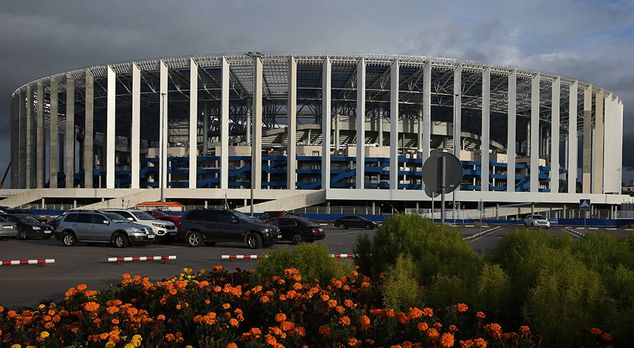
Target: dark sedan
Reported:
point(30, 227)
point(298, 230)
point(355, 221)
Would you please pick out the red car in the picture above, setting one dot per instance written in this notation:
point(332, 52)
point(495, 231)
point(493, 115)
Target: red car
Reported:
point(161, 215)
point(268, 215)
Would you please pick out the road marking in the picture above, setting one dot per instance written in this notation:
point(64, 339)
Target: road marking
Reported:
point(593, 228)
point(574, 233)
point(612, 229)
point(480, 235)
point(469, 226)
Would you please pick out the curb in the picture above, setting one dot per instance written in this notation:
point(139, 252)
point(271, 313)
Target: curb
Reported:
point(479, 234)
point(574, 233)
point(255, 257)
point(343, 256)
point(40, 262)
point(141, 258)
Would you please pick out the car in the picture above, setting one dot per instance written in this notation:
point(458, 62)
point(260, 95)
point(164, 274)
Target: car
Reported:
point(7, 229)
point(29, 227)
point(298, 230)
point(164, 230)
point(269, 215)
point(355, 221)
point(101, 227)
point(210, 226)
point(55, 221)
point(161, 215)
point(536, 220)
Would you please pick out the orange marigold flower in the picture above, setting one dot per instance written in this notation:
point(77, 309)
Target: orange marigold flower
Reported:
point(104, 336)
point(232, 345)
point(607, 337)
point(428, 312)
point(422, 327)
point(91, 306)
point(264, 299)
point(270, 340)
point(480, 315)
point(494, 329)
point(414, 313)
point(407, 344)
point(126, 276)
point(287, 325)
point(297, 278)
point(170, 337)
point(49, 325)
point(365, 285)
point(365, 321)
point(402, 318)
point(325, 297)
point(226, 306)
point(433, 334)
point(160, 317)
point(81, 287)
point(332, 304)
point(280, 317)
point(453, 328)
point(217, 288)
point(340, 309)
point(348, 303)
point(524, 331)
point(446, 340)
point(297, 286)
point(71, 292)
point(596, 331)
point(353, 342)
point(90, 293)
point(438, 326)
point(461, 307)
point(112, 309)
point(234, 322)
point(115, 321)
point(345, 320)
point(324, 330)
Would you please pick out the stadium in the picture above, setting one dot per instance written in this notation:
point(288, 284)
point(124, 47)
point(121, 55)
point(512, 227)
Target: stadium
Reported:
point(312, 131)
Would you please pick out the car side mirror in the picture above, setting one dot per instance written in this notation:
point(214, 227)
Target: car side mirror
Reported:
point(106, 222)
point(130, 219)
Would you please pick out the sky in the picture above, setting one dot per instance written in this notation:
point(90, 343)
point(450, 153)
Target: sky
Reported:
point(588, 40)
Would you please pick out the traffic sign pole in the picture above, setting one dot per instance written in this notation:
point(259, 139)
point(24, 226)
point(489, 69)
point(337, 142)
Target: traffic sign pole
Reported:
point(442, 191)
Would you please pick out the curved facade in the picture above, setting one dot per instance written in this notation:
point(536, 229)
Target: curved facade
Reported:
point(193, 123)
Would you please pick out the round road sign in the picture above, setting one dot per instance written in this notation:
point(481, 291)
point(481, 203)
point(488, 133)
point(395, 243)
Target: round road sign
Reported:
point(433, 172)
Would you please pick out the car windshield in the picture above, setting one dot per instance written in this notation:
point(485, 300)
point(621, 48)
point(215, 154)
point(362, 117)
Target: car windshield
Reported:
point(27, 219)
point(159, 213)
point(304, 220)
point(538, 217)
point(115, 217)
point(245, 218)
point(141, 215)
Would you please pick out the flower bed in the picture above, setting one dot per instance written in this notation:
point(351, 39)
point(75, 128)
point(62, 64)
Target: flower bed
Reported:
point(223, 309)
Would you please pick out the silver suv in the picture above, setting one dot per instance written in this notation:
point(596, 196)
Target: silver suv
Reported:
point(164, 230)
point(101, 227)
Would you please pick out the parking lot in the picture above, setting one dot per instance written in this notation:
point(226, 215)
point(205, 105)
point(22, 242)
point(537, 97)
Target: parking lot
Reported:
point(24, 285)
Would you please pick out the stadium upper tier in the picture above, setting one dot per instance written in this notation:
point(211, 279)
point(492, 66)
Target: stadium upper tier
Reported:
point(206, 121)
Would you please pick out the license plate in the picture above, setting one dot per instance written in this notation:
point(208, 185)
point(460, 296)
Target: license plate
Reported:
point(151, 236)
point(47, 231)
point(8, 227)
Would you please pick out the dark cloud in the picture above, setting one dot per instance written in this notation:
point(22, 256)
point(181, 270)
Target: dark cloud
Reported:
point(590, 40)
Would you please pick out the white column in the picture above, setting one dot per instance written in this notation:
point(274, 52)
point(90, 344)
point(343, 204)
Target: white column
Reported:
point(572, 138)
point(426, 110)
point(39, 136)
point(554, 136)
point(597, 164)
point(69, 136)
point(534, 136)
point(620, 142)
point(54, 133)
point(325, 123)
point(22, 149)
point(193, 125)
point(457, 110)
point(29, 138)
point(135, 132)
point(486, 129)
point(587, 139)
point(512, 131)
point(257, 121)
point(337, 130)
point(224, 126)
point(163, 117)
point(110, 128)
point(610, 167)
point(394, 87)
point(360, 165)
point(291, 153)
point(89, 129)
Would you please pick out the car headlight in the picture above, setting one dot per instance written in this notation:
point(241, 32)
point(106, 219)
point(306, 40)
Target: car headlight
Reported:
point(36, 228)
point(158, 225)
point(140, 230)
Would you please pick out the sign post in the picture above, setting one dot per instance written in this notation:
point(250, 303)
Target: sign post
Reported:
point(442, 173)
point(585, 205)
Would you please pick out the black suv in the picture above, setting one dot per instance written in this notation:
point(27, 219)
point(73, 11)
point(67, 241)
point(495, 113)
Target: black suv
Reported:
point(216, 225)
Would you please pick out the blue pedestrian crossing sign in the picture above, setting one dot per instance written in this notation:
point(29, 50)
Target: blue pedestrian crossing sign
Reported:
point(584, 204)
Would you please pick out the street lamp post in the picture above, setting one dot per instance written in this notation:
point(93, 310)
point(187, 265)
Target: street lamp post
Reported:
point(162, 149)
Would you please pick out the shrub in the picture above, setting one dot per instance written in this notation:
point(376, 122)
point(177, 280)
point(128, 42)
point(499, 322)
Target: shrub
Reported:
point(363, 254)
point(434, 249)
point(493, 289)
point(401, 290)
point(445, 290)
point(312, 260)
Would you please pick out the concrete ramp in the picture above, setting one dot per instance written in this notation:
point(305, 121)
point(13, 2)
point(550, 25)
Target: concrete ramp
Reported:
point(296, 201)
point(22, 198)
point(127, 201)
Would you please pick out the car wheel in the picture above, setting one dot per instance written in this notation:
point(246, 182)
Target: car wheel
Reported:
point(194, 239)
point(340, 226)
point(22, 235)
point(120, 240)
point(297, 239)
point(254, 241)
point(69, 239)
point(369, 227)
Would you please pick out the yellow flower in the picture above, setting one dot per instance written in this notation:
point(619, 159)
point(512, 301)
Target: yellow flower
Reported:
point(41, 306)
point(44, 334)
point(110, 345)
point(129, 345)
point(16, 346)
